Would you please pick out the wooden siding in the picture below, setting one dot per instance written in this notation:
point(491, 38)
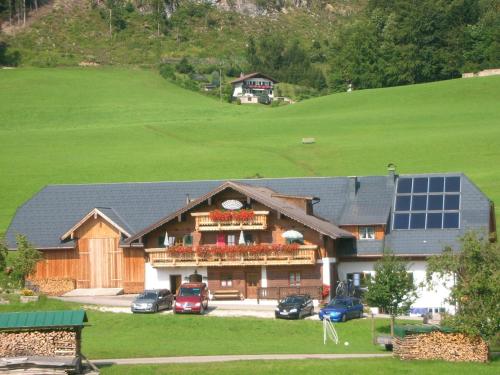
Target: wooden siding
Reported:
point(97, 261)
point(56, 264)
point(276, 226)
point(133, 275)
point(310, 276)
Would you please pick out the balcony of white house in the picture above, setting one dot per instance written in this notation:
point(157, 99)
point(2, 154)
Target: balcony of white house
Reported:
point(238, 255)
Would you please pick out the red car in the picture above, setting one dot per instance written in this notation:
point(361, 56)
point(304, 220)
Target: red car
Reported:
point(191, 298)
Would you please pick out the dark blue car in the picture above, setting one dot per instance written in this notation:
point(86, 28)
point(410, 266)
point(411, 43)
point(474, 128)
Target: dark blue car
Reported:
point(342, 309)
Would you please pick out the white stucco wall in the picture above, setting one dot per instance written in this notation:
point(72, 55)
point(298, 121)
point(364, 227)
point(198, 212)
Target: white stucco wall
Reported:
point(434, 298)
point(156, 278)
point(237, 89)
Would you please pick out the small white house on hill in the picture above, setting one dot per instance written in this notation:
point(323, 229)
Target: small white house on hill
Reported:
point(253, 88)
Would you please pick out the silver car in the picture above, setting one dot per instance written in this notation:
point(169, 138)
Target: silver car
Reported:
point(153, 300)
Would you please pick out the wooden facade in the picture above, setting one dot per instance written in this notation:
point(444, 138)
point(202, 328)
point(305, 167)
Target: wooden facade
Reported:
point(100, 260)
point(97, 261)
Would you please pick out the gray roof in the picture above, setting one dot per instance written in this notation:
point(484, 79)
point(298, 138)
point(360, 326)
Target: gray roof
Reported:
point(137, 206)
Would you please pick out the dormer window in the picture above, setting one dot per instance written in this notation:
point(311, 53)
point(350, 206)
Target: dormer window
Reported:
point(366, 233)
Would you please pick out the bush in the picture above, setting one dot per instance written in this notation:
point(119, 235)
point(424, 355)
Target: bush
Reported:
point(27, 292)
point(184, 66)
point(167, 71)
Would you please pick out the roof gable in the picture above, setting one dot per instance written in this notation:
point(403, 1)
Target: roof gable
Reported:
point(108, 214)
point(253, 75)
point(262, 195)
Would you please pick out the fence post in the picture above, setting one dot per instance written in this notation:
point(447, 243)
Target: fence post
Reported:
point(258, 296)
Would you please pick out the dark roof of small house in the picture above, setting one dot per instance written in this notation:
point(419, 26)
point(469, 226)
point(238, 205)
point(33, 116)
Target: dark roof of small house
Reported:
point(253, 75)
point(42, 319)
point(137, 206)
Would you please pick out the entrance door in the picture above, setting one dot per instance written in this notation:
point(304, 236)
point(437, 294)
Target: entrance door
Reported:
point(105, 261)
point(253, 282)
point(175, 283)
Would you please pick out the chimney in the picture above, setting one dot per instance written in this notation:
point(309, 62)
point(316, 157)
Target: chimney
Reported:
point(353, 186)
point(241, 75)
point(391, 173)
point(188, 200)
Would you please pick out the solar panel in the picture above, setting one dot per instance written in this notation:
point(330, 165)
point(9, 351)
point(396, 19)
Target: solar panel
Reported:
point(427, 203)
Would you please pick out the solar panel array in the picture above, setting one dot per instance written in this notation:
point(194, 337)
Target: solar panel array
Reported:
point(427, 203)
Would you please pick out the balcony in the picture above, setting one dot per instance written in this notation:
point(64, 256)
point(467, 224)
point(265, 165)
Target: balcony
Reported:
point(206, 223)
point(231, 256)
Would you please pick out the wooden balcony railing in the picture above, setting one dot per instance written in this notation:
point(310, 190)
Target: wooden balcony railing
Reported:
point(160, 257)
point(277, 293)
point(205, 224)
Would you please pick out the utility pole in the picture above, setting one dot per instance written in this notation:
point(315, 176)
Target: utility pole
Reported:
point(220, 84)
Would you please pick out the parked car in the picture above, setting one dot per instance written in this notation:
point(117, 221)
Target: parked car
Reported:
point(342, 309)
point(191, 298)
point(295, 306)
point(153, 301)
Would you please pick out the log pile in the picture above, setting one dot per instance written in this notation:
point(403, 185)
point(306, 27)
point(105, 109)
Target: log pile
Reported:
point(55, 287)
point(453, 347)
point(38, 343)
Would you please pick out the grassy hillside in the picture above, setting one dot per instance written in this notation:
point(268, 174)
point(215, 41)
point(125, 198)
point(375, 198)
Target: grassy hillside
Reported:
point(107, 125)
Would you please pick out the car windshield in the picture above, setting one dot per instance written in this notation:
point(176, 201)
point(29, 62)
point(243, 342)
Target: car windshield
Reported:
point(339, 303)
point(189, 292)
point(148, 295)
point(293, 299)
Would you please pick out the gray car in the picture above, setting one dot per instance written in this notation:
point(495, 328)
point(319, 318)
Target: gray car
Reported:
point(153, 300)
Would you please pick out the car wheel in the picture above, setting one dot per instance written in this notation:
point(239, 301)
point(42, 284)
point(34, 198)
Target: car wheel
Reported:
point(202, 309)
point(344, 318)
point(156, 309)
point(360, 314)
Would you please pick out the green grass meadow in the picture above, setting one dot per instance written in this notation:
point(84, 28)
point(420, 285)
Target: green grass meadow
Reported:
point(313, 367)
point(119, 335)
point(80, 125)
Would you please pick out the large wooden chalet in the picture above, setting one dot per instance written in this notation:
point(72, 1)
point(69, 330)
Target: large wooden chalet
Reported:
point(154, 235)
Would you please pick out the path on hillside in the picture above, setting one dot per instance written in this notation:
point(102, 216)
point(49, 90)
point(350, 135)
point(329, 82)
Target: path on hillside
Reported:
point(229, 358)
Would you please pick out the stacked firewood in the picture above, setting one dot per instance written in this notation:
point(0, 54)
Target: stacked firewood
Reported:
point(55, 287)
point(453, 347)
point(38, 343)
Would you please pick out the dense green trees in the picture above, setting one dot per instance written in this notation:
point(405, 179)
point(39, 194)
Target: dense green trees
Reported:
point(397, 42)
point(288, 62)
point(476, 290)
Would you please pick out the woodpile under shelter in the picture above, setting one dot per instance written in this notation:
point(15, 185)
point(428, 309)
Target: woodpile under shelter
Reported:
point(438, 343)
point(41, 342)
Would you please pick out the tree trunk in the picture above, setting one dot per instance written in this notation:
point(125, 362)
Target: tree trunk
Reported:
point(110, 24)
point(24, 13)
point(393, 318)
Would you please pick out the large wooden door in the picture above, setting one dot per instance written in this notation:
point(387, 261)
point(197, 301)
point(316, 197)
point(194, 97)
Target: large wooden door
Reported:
point(105, 263)
point(252, 283)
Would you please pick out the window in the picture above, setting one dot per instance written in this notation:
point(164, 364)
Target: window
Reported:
point(231, 239)
point(171, 241)
point(294, 278)
point(161, 241)
point(187, 240)
point(366, 233)
point(248, 238)
point(363, 278)
point(226, 280)
point(427, 203)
